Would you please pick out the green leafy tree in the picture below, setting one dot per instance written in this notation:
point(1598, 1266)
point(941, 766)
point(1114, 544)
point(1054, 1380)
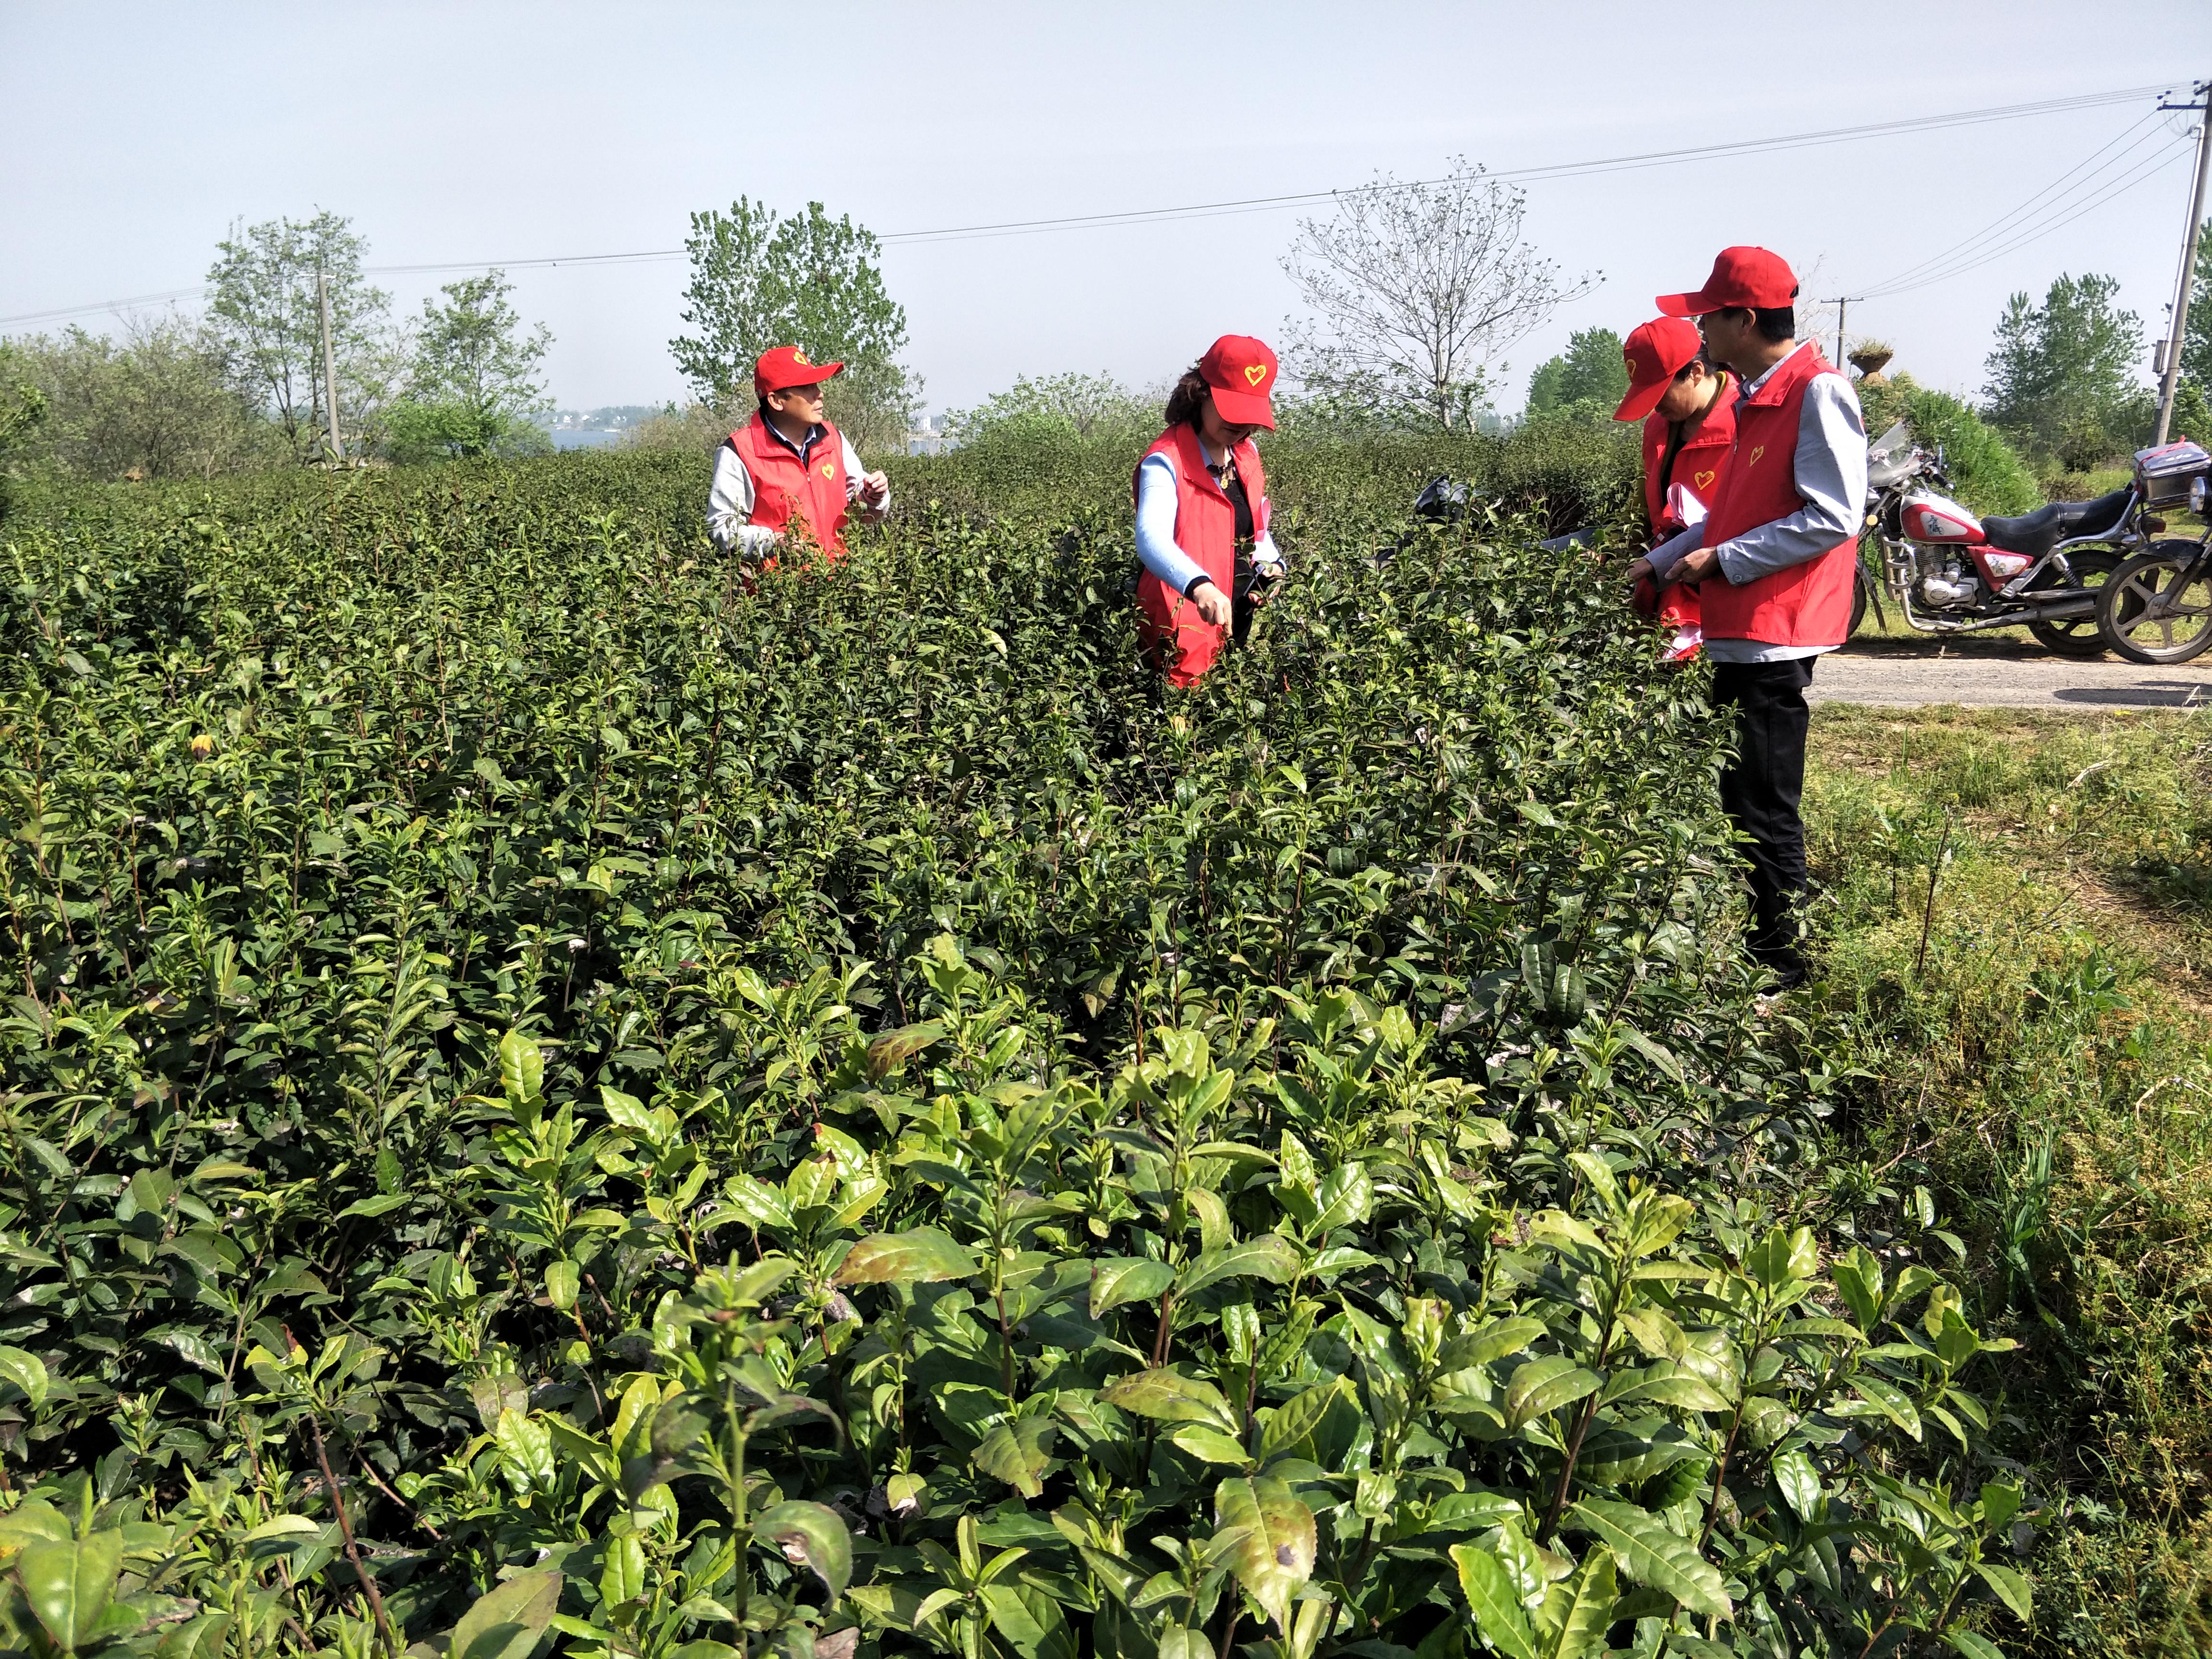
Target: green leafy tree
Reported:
point(267, 323)
point(760, 279)
point(2063, 374)
point(2192, 416)
point(154, 404)
point(1588, 381)
point(1084, 406)
point(2197, 339)
point(22, 406)
point(474, 387)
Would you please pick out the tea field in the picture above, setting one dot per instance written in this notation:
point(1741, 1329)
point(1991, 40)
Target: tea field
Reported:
point(557, 1100)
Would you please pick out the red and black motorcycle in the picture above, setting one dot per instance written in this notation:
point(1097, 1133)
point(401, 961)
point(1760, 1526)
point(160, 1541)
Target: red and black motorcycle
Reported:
point(1950, 572)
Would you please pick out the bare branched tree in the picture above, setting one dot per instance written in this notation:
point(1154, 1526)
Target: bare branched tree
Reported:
point(1414, 289)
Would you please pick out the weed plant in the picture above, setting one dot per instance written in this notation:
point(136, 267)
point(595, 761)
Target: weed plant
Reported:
point(2015, 953)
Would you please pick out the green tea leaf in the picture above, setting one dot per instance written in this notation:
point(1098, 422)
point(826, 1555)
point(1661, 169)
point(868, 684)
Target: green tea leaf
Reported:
point(1270, 1256)
point(1346, 1196)
point(1016, 1452)
point(562, 1279)
point(1890, 1400)
point(26, 1371)
point(1493, 1341)
point(1799, 1483)
point(1210, 1444)
point(1577, 1615)
point(2012, 1589)
point(521, 1071)
point(1651, 1553)
point(623, 1576)
point(68, 1585)
point(1544, 1385)
point(2000, 1503)
point(1494, 1601)
point(1973, 1645)
point(510, 1621)
point(1117, 1279)
point(1294, 1421)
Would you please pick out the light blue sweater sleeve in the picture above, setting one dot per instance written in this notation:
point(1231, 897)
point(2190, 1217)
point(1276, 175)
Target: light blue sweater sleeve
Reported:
point(1156, 523)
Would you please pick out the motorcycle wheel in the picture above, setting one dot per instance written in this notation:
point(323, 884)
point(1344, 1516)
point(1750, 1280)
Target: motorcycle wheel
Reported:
point(2184, 632)
point(1858, 601)
point(2078, 636)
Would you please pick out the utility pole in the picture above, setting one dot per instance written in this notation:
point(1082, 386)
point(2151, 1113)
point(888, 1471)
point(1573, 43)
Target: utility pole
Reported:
point(1841, 303)
point(2172, 368)
point(330, 367)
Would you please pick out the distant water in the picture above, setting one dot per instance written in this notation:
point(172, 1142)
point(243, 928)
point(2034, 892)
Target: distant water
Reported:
point(582, 437)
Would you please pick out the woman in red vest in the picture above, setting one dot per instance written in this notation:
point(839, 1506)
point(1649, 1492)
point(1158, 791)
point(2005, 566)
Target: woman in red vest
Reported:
point(1783, 541)
point(787, 473)
point(1689, 426)
point(1201, 503)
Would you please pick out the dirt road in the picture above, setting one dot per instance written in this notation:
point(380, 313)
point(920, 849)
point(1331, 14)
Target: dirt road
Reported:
point(1997, 673)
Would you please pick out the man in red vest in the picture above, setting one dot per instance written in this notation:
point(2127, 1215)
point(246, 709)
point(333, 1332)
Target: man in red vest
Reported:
point(787, 473)
point(1782, 539)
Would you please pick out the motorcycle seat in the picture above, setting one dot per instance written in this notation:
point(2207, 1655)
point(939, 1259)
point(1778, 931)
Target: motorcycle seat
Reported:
point(2036, 533)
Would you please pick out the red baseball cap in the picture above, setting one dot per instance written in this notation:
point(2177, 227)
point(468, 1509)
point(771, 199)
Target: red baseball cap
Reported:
point(782, 368)
point(1241, 372)
point(1655, 354)
point(1741, 276)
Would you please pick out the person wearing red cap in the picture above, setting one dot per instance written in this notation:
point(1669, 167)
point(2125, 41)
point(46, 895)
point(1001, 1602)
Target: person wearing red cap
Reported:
point(1783, 539)
point(1202, 502)
point(788, 472)
point(1689, 426)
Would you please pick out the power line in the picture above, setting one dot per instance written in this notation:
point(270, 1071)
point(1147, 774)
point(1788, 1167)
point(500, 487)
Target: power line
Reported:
point(1243, 205)
point(2136, 129)
point(2140, 174)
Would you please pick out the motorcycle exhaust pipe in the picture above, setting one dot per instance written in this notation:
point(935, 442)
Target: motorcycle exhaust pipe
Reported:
point(2061, 611)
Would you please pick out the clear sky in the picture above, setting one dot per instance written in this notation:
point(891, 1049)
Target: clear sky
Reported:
point(474, 130)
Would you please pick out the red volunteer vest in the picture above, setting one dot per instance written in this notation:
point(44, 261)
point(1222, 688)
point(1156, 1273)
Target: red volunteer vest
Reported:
point(814, 490)
point(1808, 604)
point(1205, 528)
point(1698, 464)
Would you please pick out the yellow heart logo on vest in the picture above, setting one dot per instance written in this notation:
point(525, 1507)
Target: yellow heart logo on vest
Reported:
point(1756, 453)
point(828, 469)
point(1704, 480)
point(1256, 374)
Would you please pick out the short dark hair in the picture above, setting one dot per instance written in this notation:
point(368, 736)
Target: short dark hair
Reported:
point(1773, 324)
point(1187, 403)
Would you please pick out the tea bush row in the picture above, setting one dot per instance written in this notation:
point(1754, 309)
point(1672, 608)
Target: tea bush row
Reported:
point(560, 1095)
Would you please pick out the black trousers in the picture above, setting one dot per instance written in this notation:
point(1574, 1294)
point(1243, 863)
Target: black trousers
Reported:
point(1760, 789)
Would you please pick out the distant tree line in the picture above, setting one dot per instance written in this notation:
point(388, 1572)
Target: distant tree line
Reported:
point(241, 386)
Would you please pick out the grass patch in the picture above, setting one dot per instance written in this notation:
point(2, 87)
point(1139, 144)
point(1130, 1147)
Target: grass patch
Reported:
point(2017, 914)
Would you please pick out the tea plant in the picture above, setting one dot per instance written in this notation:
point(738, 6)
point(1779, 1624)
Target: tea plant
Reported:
point(560, 1096)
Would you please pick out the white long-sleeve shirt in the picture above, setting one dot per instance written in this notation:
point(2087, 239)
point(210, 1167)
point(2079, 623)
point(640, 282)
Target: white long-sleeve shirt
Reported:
point(1157, 503)
point(1829, 470)
point(730, 498)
